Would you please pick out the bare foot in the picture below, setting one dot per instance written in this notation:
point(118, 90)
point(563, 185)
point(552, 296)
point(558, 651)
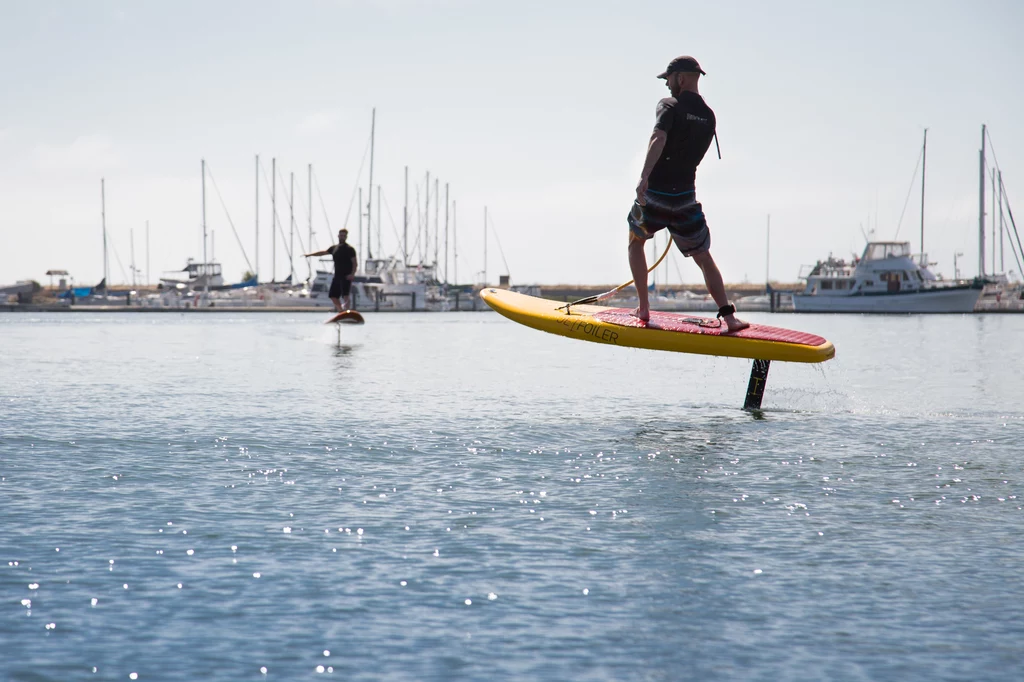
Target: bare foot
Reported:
point(642, 315)
point(734, 324)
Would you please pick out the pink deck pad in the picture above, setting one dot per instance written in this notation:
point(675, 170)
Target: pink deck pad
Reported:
point(691, 324)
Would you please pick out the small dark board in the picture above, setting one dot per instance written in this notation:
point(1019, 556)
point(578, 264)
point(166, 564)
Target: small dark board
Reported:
point(346, 317)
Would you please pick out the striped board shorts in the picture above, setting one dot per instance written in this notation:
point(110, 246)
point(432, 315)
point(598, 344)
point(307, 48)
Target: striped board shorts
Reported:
point(680, 213)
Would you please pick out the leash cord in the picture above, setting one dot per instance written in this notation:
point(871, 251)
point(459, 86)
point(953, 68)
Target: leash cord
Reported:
point(612, 292)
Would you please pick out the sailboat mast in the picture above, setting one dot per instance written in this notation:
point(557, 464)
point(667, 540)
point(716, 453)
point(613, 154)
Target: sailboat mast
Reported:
point(767, 250)
point(309, 184)
point(103, 217)
point(446, 233)
point(291, 226)
point(273, 219)
point(257, 273)
point(203, 168)
point(426, 220)
point(361, 223)
point(148, 280)
point(485, 246)
point(437, 214)
point(369, 199)
point(131, 245)
point(924, 168)
point(981, 207)
point(405, 221)
point(378, 218)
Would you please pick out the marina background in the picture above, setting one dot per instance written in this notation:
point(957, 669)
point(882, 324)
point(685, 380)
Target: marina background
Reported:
point(540, 112)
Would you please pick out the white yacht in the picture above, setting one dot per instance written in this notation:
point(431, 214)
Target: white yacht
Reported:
point(885, 279)
point(407, 286)
point(384, 284)
point(196, 276)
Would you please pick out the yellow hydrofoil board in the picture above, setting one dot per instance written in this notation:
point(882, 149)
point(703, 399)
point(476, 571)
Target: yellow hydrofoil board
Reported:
point(665, 331)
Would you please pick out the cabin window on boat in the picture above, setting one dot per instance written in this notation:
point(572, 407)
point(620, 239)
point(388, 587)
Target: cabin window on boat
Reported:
point(906, 278)
point(826, 284)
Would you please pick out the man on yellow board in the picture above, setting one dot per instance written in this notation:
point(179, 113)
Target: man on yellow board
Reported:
point(665, 195)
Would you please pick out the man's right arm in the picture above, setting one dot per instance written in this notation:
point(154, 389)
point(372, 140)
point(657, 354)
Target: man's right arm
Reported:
point(325, 252)
point(654, 149)
point(665, 116)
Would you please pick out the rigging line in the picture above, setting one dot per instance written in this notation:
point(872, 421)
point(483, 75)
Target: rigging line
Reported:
point(992, 147)
point(394, 226)
point(284, 238)
point(494, 231)
point(291, 205)
point(1013, 223)
point(355, 189)
point(1006, 199)
point(1013, 250)
point(124, 274)
point(277, 218)
point(417, 242)
point(298, 233)
point(230, 222)
point(316, 183)
point(612, 292)
point(305, 213)
point(909, 191)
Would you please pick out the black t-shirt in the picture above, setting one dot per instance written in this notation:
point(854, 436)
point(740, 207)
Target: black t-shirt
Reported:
point(690, 125)
point(343, 255)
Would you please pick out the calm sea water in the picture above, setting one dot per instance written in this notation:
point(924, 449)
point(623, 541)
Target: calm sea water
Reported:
point(453, 496)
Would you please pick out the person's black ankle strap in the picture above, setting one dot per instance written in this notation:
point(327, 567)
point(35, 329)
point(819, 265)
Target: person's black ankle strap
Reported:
point(726, 310)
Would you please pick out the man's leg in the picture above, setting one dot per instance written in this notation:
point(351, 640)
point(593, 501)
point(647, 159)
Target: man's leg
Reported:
point(346, 293)
point(337, 303)
point(716, 287)
point(638, 266)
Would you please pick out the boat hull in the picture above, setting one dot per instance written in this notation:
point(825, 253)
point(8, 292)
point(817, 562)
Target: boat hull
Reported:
point(944, 300)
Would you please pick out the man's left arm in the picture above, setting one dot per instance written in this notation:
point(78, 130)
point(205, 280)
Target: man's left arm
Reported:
point(355, 265)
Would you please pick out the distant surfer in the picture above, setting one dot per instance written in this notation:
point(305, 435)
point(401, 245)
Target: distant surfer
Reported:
point(666, 196)
point(346, 262)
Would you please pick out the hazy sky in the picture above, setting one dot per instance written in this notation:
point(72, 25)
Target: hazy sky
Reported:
point(539, 110)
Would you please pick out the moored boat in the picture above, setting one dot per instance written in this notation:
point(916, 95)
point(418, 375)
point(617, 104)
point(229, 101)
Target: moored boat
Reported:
point(885, 279)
